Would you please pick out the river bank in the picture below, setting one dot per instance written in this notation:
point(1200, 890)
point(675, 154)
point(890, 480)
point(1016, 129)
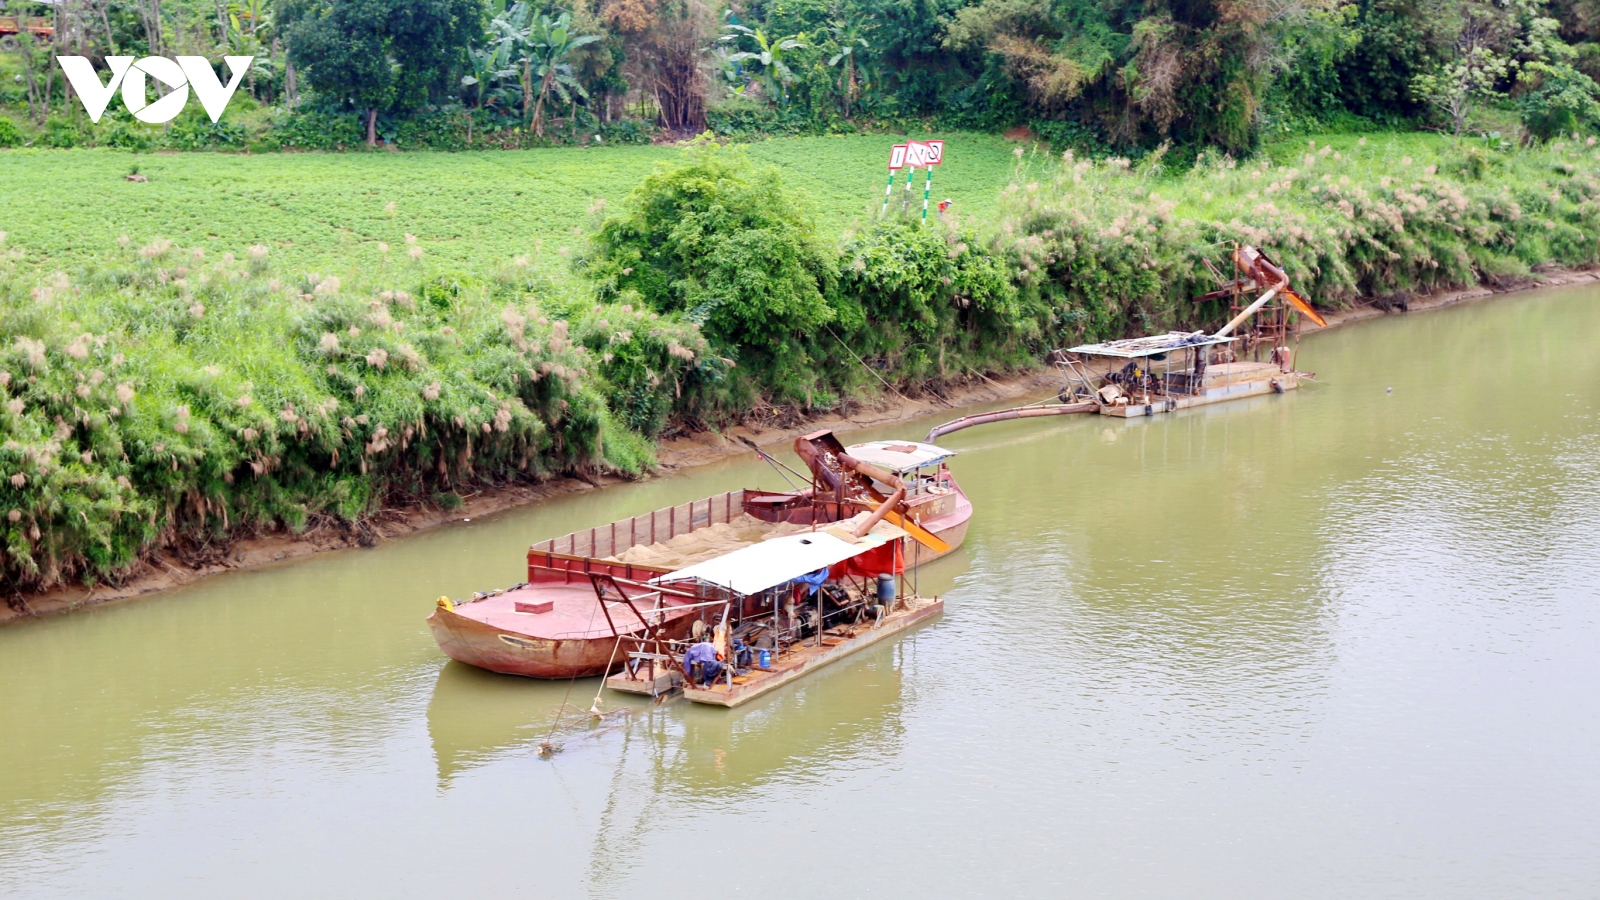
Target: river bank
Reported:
point(170, 569)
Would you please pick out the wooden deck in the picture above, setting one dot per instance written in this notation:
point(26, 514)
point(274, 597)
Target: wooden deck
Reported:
point(666, 679)
point(799, 661)
point(1223, 381)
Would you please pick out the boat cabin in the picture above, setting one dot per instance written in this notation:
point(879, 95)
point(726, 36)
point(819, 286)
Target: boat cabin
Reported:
point(931, 490)
point(783, 607)
point(1145, 376)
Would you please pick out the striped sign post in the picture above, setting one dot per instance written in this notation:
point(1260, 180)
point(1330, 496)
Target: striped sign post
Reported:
point(911, 156)
point(897, 161)
point(930, 154)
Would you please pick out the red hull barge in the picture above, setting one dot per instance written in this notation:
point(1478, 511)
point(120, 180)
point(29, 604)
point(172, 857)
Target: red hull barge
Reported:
point(587, 589)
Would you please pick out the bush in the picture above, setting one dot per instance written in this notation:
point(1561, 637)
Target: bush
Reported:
point(63, 134)
point(319, 130)
point(194, 130)
point(434, 128)
point(646, 360)
point(929, 302)
point(742, 117)
point(1112, 250)
point(10, 134)
point(1562, 101)
point(720, 240)
point(123, 132)
point(626, 131)
point(158, 397)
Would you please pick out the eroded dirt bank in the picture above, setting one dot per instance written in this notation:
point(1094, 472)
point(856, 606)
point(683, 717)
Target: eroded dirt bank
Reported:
point(173, 569)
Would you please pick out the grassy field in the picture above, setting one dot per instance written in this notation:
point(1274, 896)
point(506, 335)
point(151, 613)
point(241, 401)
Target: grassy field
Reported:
point(469, 211)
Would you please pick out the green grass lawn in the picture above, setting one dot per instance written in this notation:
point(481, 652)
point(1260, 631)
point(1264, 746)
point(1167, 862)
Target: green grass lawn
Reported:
point(469, 211)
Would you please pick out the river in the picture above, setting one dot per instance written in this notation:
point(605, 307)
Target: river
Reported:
point(1341, 642)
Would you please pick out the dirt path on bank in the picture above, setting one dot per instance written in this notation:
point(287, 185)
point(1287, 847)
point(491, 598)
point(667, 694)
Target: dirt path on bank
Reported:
point(171, 569)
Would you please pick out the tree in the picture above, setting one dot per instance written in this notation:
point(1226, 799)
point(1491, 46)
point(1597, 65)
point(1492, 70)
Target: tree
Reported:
point(848, 38)
point(1560, 99)
point(249, 29)
point(1456, 87)
point(665, 43)
point(720, 239)
point(770, 58)
point(488, 65)
point(375, 55)
point(542, 46)
point(1503, 47)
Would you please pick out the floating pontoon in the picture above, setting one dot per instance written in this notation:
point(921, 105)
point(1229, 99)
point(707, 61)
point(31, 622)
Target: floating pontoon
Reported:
point(790, 606)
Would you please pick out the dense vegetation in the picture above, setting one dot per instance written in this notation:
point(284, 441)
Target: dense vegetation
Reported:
point(161, 395)
point(1105, 77)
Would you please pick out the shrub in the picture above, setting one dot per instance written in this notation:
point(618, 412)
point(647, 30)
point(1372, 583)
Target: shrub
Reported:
point(1113, 250)
point(928, 301)
point(645, 358)
point(319, 130)
point(434, 128)
point(1561, 101)
point(10, 134)
point(720, 240)
point(162, 396)
point(194, 130)
point(626, 131)
point(62, 134)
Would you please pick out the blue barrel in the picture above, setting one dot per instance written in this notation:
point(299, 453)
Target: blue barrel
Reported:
point(885, 588)
point(765, 659)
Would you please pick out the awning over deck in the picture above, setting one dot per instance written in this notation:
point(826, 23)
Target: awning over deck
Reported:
point(899, 456)
point(1134, 348)
point(773, 562)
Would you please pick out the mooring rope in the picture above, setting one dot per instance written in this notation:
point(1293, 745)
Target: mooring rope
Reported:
point(865, 366)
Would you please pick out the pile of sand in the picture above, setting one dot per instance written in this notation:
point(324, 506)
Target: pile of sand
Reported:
point(705, 543)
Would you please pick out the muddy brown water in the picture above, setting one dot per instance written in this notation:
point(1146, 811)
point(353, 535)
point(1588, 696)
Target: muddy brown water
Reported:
point(1342, 642)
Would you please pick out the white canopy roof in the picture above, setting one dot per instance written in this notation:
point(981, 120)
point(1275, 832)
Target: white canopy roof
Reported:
point(770, 563)
point(1134, 348)
point(898, 456)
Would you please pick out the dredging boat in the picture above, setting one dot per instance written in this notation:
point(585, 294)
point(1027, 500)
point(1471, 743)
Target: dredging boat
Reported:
point(1147, 376)
point(588, 589)
point(780, 609)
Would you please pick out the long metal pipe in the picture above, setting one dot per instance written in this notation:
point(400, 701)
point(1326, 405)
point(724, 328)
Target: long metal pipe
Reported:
point(888, 478)
point(1263, 300)
point(1021, 412)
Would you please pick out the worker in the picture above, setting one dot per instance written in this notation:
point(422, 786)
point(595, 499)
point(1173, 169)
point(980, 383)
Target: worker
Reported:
point(701, 663)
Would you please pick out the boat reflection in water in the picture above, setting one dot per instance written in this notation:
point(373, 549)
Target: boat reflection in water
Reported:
point(847, 711)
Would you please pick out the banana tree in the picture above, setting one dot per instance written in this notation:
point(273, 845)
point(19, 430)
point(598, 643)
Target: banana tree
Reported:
point(847, 38)
point(489, 64)
point(769, 59)
point(249, 32)
point(554, 41)
point(541, 47)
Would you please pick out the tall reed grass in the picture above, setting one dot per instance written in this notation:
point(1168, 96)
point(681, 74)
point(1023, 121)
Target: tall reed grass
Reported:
point(165, 397)
point(1113, 249)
